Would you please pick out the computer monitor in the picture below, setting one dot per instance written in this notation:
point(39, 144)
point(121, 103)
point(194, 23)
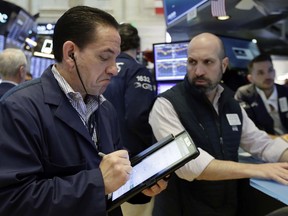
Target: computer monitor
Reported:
point(2, 42)
point(176, 9)
point(280, 63)
point(45, 28)
point(164, 86)
point(38, 65)
point(20, 28)
point(240, 51)
point(8, 13)
point(170, 60)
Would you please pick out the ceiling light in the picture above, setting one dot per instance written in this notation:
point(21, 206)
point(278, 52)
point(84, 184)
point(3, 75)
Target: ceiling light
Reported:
point(223, 17)
point(31, 42)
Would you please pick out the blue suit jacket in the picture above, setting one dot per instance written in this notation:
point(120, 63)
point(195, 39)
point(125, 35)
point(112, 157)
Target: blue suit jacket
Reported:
point(48, 162)
point(4, 87)
point(256, 110)
point(131, 92)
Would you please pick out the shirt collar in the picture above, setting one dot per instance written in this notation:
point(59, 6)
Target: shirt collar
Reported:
point(8, 81)
point(219, 91)
point(272, 100)
point(68, 90)
point(84, 109)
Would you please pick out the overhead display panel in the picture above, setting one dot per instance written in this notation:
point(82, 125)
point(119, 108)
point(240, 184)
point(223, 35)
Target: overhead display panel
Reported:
point(176, 9)
point(240, 51)
point(15, 24)
point(8, 11)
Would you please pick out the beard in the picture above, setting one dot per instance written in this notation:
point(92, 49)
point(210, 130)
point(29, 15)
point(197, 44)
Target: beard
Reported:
point(210, 84)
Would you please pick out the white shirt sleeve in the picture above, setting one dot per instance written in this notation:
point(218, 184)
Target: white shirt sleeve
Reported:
point(258, 143)
point(164, 121)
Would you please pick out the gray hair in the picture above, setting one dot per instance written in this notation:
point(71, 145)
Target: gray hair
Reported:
point(11, 59)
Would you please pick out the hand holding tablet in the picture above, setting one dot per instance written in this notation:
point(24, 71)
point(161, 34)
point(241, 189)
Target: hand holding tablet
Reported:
point(156, 188)
point(153, 164)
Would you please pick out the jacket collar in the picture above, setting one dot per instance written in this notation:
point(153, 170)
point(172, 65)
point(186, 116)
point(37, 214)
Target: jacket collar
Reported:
point(54, 96)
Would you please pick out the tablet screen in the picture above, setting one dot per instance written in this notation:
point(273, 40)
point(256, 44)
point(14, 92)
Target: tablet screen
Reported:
point(159, 163)
point(151, 165)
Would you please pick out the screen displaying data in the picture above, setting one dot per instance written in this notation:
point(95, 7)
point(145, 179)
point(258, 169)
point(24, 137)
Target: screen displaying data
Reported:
point(151, 166)
point(38, 65)
point(2, 42)
point(170, 60)
point(240, 51)
point(176, 9)
point(21, 26)
point(164, 86)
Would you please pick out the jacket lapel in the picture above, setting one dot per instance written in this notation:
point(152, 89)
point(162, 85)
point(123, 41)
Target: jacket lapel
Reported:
point(63, 110)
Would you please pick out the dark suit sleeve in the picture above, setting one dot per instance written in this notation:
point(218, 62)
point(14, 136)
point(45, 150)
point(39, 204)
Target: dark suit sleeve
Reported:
point(139, 97)
point(26, 187)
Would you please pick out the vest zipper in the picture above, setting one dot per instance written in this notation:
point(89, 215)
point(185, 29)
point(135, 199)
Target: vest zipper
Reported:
point(222, 145)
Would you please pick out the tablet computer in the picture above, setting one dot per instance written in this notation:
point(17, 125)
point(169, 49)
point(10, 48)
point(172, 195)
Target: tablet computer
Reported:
point(153, 164)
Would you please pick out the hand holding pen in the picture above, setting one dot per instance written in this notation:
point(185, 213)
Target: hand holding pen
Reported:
point(116, 169)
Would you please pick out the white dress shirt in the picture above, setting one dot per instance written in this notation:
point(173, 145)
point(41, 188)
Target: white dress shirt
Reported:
point(271, 101)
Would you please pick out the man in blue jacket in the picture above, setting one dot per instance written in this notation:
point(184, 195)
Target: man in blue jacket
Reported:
point(132, 93)
point(52, 129)
point(265, 102)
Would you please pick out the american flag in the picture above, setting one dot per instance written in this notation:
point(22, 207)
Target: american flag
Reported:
point(218, 8)
point(159, 7)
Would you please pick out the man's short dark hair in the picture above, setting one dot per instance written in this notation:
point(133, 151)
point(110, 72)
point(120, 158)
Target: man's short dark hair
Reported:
point(78, 24)
point(259, 58)
point(129, 37)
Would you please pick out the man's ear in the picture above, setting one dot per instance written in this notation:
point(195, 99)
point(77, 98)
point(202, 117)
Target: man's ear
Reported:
point(249, 78)
point(22, 73)
point(225, 63)
point(68, 51)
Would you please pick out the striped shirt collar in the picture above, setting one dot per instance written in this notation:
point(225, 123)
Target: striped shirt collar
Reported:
point(84, 109)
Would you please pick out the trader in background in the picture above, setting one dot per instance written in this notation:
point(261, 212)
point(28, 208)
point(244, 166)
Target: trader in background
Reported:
point(13, 65)
point(132, 93)
point(265, 101)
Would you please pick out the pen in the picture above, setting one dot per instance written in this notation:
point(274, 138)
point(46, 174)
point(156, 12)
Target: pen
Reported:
point(101, 154)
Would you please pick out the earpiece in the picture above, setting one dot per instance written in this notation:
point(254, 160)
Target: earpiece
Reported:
point(72, 56)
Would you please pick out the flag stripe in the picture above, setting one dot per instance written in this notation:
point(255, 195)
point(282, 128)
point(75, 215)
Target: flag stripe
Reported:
point(218, 8)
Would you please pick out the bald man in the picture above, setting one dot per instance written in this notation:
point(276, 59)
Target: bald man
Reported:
point(13, 70)
point(219, 126)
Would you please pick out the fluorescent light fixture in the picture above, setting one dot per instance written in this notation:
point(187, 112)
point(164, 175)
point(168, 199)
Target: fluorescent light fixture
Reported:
point(223, 17)
point(45, 55)
point(31, 42)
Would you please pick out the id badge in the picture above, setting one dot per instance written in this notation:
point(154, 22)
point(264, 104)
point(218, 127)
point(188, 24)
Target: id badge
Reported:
point(233, 119)
point(283, 104)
